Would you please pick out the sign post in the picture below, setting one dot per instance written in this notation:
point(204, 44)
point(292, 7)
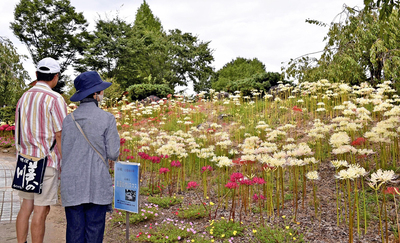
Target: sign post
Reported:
point(126, 189)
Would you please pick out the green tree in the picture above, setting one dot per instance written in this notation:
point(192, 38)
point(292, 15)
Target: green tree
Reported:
point(12, 74)
point(50, 28)
point(385, 7)
point(105, 45)
point(155, 57)
point(145, 53)
point(190, 60)
point(237, 69)
point(354, 51)
point(260, 81)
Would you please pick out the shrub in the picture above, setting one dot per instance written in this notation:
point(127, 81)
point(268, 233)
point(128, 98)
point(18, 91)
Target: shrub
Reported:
point(277, 234)
point(260, 82)
point(147, 191)
point(141, 91)
point(7, 114)
point(225, 228)
point(194, 211)
point(168, 231)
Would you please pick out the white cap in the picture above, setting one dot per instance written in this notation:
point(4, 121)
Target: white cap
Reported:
point(48, 65)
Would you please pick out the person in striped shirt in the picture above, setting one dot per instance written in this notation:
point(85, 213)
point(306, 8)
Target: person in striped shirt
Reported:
point(39, 116)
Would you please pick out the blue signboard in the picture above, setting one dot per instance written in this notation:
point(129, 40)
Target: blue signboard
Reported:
point(126, 186)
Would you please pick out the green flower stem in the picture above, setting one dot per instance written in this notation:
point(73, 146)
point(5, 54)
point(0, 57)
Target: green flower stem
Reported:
point(380, 218)
point(277, 192)
point(357, 205)
point(304, 186)
point(397, 217)
point(232, 213)
point(386, 218)
point(337, 202)
point(295, 192)
point(282, 187)
point(183, 175)
point(364, 207)
point(350, 212)
point(204, 184)
point(345, 204)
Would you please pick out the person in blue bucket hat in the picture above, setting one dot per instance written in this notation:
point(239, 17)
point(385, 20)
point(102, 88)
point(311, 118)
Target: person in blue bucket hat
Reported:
point(89, 140)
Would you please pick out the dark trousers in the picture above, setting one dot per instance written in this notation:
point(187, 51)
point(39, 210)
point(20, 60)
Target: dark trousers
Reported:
point(85, 223)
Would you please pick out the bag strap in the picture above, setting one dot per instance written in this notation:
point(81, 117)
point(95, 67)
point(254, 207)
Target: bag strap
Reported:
point(19, 133)
point(80, 129)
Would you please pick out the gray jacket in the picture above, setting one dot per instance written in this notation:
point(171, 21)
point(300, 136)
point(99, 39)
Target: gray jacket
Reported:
point(85, 177)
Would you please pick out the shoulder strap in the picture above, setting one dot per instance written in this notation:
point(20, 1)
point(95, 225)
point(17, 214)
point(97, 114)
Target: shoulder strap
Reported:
point(80, 129)
point(19, 127)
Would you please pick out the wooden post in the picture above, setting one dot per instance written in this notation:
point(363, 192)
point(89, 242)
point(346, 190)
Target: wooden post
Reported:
point(127, 227)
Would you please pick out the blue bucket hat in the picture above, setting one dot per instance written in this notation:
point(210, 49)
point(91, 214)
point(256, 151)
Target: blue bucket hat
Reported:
point(88, 83)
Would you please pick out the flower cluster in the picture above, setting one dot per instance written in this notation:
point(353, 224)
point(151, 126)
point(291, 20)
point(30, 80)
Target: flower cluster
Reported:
point(206, 168)
point(153, 159)
point(7, 127)
point(380, 177)
point(192, 184)
point(164, 170)
point(312, 175)
point(175, 163)
point(255, 197)
point(352, 172)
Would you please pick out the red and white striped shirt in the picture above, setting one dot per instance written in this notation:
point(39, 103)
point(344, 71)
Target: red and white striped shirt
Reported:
point(42, 113)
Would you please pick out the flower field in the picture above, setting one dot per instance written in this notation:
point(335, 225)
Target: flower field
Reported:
point(311, 163)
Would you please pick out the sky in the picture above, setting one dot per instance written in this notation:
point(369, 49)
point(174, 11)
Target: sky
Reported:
point(271, 31)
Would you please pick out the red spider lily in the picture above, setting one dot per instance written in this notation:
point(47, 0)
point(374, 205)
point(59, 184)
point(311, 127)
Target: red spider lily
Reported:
point(11, 128)
point(246, 182)
point(236, 176)
point(127, 150)
point(192, 184)
point(358, 141)
point(259, 181)
point(205, 168)
point(267, 167)
point(392, 190)
point(122, 141)
point(129, 157)
point(164, 156)
point(239, 161)
point(295, 108)
point(231, 185)
point(164, 170)
point(125, 126)
point(211, 130)
point(4, 127)
point(175, 163)
point(255, 197)
point(154, 159)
